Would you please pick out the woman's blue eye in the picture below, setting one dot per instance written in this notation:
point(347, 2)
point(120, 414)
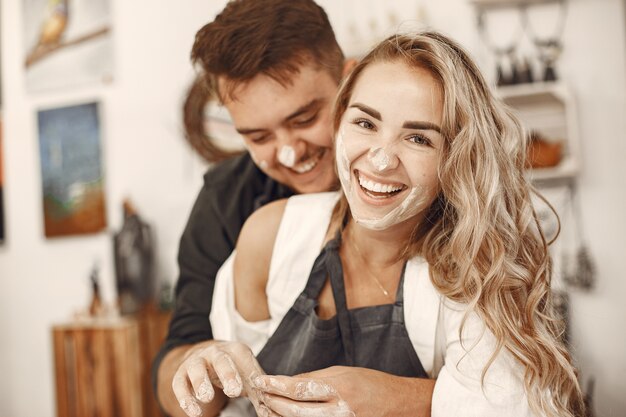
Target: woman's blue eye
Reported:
point(419, 139)
point(365, 124)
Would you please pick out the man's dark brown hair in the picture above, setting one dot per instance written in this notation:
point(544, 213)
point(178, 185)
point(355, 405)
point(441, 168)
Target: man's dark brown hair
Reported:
point(252, 37)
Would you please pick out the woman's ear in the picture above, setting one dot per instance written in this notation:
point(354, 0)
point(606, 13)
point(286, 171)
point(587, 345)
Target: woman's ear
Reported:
point(348, 66)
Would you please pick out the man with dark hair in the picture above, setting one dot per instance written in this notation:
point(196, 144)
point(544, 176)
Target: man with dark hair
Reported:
point(275, 65)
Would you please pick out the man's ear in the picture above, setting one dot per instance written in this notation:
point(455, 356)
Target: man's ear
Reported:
point(348, 66)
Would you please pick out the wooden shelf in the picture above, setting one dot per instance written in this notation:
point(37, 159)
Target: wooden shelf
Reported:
point(567, 169)
point(535, 92)
point(501, 4)
point(548, 108)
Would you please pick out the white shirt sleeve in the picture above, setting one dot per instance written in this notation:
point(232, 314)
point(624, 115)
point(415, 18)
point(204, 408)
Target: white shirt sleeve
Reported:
point(459, 390)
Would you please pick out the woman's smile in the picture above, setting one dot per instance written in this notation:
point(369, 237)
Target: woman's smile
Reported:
point(378, 191)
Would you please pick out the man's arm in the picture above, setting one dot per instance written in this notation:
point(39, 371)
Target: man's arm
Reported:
point(203, 373)
point(204, 246)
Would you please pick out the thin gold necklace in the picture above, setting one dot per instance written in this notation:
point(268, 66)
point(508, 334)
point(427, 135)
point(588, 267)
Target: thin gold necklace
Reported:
point(358, 251)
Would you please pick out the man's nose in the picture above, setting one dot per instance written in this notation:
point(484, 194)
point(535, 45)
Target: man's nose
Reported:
point(290, 148)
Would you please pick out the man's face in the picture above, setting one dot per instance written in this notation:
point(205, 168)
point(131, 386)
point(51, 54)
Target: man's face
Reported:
point(287, 129)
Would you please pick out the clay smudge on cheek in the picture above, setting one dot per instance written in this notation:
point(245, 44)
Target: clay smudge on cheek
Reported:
point(343, 163)
point(261, 163)
point(287, 156)
point(410, 206)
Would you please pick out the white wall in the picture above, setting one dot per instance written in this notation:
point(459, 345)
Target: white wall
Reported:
point(43, 281)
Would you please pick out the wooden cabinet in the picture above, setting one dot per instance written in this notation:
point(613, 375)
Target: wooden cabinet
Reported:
point(102, 366)
point(98, 369)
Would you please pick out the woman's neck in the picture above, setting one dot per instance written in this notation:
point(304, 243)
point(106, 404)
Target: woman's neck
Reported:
point(379, 247)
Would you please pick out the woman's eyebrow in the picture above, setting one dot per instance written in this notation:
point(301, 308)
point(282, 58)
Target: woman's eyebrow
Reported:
point(421, 126)
point(406, 125)
point(367, 109)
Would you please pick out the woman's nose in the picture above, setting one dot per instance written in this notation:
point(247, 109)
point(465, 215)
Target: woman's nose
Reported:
point(383, 158)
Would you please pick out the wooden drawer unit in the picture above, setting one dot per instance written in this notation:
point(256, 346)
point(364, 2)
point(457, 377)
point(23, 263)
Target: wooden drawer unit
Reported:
point(98, 368)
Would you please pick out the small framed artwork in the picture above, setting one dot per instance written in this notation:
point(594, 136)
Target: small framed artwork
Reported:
point(66, 43)
point(71, 170)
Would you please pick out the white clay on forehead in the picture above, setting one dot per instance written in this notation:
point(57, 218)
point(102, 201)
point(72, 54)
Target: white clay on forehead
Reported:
point(287, 156)
point(410, 206)
point(378, 158)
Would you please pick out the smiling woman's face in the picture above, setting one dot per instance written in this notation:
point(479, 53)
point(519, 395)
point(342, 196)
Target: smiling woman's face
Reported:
point(388, 145)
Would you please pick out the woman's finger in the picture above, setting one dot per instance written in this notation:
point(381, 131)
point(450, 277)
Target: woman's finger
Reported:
point(287, 407)
point(300, 389)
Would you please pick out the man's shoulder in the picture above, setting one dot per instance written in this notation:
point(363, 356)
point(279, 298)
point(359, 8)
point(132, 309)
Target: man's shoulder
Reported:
point(237, 171)
point(236, 187)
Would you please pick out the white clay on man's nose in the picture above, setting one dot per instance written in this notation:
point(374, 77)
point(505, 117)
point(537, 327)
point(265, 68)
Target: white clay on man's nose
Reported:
point(378, 158)
point(287, 156)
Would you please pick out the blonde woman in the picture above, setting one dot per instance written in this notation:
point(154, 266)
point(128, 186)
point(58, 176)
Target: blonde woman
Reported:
point(431, 294)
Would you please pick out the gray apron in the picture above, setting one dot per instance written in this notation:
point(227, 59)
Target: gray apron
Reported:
point(369, 337)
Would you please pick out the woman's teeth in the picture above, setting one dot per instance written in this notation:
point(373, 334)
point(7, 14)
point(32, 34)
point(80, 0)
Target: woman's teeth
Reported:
point(377, 187)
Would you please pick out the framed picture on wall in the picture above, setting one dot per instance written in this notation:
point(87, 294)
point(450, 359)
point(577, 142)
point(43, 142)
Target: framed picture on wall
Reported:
point(71, 170)
point(67, 43)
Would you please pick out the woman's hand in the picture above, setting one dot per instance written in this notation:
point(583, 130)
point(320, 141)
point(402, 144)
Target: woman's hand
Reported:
point(342, 391)
point(230, 366)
